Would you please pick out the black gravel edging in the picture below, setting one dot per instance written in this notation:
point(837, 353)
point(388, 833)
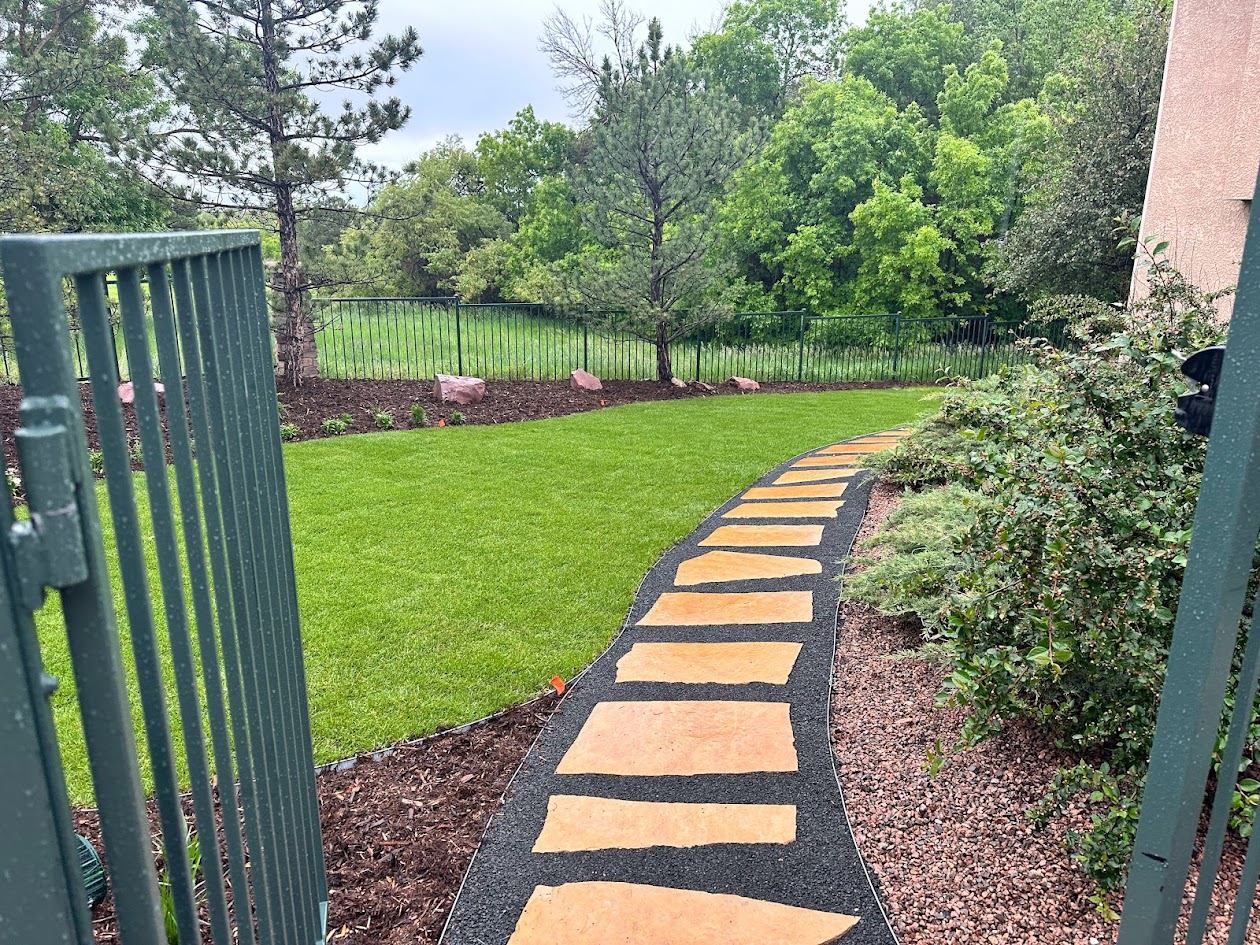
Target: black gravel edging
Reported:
point(821, 870)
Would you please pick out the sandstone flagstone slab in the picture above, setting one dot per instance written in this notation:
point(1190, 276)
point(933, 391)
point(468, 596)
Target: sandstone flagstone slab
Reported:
point(814, 461)
point(785, 510)
point(848, 449)
point(711, 609)
point(656, 739)
point(764, 536)
point(600, 823)
point(716, 566)
point(723, 663)
point(826, 490)
point(813, 475)
point(604, 913)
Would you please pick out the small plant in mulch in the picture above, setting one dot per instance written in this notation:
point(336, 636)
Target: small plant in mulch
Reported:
point(137, 452)
point(97, 460)
point(382, 419)
point(418, 415)
point(457, 419)
point(334, 426)
point(288, 431)
point(167, 896)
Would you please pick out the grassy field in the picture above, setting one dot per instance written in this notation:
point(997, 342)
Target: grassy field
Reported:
point(447, 573)
point(411, 339)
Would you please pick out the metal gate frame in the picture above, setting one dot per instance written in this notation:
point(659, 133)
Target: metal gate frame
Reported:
point(205, 296)
point(1205, 638)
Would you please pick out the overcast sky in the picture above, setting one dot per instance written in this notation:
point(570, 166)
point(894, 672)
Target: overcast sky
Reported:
point(481, 63)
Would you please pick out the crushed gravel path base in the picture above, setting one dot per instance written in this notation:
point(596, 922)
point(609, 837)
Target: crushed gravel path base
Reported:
point(821, 870)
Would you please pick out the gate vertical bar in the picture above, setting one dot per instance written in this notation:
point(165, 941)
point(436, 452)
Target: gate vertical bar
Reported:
point(800, 358)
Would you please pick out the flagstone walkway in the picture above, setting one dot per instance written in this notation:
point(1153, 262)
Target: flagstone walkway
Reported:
point(684, 793)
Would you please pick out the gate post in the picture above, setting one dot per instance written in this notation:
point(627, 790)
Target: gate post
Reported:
point(43, 899)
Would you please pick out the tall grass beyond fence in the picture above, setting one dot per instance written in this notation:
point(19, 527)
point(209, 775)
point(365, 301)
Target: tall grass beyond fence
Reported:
point(405, 338)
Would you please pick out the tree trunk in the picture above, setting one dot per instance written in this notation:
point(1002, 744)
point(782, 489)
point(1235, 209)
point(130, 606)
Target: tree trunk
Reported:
point(664, 369)
point(298, 356)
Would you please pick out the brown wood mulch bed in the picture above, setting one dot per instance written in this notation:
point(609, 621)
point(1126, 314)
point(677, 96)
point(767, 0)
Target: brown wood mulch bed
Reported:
point(307, 406)
point(318, 399)
point(399, 831)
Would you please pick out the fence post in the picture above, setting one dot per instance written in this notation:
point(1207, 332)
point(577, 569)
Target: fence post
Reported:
point(459, 341)
point(800, 358)
point(984, 346)
point(896, 345)
point(113, 341)
point(586, 347)
point(699, 342)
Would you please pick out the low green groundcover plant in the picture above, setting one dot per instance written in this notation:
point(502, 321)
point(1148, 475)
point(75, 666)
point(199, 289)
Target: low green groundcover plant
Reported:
point(441, 578)
point(1049, 564)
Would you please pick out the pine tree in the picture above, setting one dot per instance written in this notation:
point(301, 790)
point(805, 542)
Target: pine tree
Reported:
point(664, 148)
point(247, 132)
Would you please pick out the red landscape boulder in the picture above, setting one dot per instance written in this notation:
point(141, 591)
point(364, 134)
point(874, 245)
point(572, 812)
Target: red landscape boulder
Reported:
point(460, 390)
point(702, 386)
point(581, 380)
point(678, 382)
point(744, 384)
point(127, 391)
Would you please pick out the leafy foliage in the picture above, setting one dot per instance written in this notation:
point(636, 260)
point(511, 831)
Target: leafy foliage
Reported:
point(1104, 107)
point(68, 104)
point(1059, 602)
point(859, 206)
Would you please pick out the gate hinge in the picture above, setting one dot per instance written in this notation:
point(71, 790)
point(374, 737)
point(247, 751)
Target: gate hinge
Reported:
point(48, 547)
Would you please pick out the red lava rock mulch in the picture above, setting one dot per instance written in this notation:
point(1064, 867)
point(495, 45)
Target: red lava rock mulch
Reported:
point(400, 832)
point(956, 856)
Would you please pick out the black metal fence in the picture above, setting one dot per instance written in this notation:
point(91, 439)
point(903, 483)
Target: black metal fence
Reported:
point(408, 338)
point(414, 338)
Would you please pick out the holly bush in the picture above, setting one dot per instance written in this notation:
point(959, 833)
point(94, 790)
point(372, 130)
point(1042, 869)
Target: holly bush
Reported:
point(1059, 601)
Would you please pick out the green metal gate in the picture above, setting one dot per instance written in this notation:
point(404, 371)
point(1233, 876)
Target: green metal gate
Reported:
point(1209, 680)
point(217, 523)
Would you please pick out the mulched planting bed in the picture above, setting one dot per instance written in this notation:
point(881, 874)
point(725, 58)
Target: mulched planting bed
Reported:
point(319, 399)
point(957, 857)
point(400, 831)
point(307, 406)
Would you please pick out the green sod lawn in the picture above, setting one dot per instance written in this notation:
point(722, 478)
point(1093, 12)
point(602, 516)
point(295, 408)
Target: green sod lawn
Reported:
point(447, 573)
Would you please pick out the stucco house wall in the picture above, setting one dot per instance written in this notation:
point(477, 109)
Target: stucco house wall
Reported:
point(1207, 143)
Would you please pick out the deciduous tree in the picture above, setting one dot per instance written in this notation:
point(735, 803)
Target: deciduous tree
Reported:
point(1104, 108)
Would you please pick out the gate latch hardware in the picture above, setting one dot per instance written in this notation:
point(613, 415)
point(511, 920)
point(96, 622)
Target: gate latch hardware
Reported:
point(48, 547)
